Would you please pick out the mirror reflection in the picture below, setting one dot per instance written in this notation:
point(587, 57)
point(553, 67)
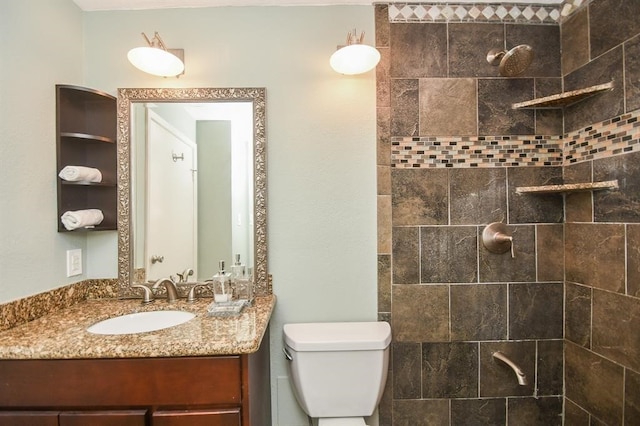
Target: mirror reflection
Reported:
point(192, 184)
point(193, 188)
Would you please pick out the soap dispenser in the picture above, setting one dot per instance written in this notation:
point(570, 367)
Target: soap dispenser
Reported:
point(242, 282)
point(222, 291)
point(237, 269)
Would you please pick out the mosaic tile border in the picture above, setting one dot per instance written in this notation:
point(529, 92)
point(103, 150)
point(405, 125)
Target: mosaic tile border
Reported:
point(469, 12)
point(475, 151)
point(615, 136)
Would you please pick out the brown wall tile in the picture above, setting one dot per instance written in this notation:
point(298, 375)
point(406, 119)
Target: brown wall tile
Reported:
point(406, 370)
point(632, 398)
point(478, 196)
point(448, 106)
point(622, 205)
point(535, 411)
point(423, 412)
point(404, 107)
point(479, 312)
point(594, 255)
point(575, 41)
point(550, 367)
point(420, 313)
point(611, 22)
point(633, 260)
point(495, 115)
point(594, 383)
point(550, 252)
point(405, 255)
point(469, 44)
point(384, 283)
point(473, 412)
point(439, 245)
point(574, 415)
point(534, 208)
point(420, 197)
point(632, 73)
point(383, 136)
point(578, 314)
point(418, 50)
point(384, 224)
point(545, 42)
point(535, 311)
point(616, 326)
point(450, 370)
point(601, 70)
point(497, 378)
point(502, 267)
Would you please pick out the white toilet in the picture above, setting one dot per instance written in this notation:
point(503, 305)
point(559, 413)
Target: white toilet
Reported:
point(338, 370)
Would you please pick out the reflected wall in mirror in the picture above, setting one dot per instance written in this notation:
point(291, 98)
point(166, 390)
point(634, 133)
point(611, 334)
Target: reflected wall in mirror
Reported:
point(192, 184)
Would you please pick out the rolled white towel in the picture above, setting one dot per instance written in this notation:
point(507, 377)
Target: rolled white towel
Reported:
point(80, 174)
point(81, 218)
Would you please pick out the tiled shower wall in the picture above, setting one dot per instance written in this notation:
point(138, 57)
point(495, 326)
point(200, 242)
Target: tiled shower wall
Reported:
point(451, 153)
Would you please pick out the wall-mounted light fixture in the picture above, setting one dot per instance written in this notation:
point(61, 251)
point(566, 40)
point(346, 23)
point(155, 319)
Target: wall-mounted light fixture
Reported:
point(156, 59)
point(355, 57)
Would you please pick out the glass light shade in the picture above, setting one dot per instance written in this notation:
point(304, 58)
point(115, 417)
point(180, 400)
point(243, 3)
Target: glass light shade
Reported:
point(156, 61)
point(355, 59)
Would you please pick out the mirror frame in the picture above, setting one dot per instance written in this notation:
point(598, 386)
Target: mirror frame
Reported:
point(127, 96)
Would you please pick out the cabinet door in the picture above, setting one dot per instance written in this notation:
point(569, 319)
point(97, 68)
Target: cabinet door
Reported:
point(213, 417)
point(103, 418)
point(29, 418)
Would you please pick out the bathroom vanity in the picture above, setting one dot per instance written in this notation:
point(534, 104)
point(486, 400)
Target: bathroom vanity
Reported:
point(208, 371)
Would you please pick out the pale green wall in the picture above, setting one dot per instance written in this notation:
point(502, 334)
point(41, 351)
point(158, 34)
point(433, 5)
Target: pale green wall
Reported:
point(321, 143)
point(320, 130)
point(41, 43)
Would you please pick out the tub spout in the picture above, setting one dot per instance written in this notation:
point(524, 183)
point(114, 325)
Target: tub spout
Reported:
point(522, 378)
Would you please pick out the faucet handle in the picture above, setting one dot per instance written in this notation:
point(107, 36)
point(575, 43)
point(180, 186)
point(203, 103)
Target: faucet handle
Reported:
point(147, 295)
point(191, 297)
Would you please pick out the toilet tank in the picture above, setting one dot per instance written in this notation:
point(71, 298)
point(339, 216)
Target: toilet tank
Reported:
point(338, 369)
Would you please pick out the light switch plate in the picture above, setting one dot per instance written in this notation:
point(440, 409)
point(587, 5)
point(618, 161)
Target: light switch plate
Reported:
point(74, 262)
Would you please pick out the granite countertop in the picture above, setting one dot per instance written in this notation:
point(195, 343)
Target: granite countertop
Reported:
point(63, 334)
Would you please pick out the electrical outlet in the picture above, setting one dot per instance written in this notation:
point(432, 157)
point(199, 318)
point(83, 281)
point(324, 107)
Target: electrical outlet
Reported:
point(74, 262)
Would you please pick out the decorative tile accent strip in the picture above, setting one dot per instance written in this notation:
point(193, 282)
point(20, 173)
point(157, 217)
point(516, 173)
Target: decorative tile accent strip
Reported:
point(475, 151)
point(618, 135)
point(438, 12)
point(615, 136)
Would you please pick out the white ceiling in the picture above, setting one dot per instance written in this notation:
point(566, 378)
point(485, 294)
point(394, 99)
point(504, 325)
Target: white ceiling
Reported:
point(91, 5)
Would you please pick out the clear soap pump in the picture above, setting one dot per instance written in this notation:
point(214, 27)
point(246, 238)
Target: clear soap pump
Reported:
point(237, 269)
point(222, 290)
point(242, 282)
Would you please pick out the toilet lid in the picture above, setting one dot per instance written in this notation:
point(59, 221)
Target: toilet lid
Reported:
point(337, 336)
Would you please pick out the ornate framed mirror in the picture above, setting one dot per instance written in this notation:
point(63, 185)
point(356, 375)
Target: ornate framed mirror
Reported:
point(133, 177)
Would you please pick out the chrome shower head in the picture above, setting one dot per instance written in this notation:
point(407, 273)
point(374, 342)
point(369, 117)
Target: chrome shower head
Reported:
point(513, 62)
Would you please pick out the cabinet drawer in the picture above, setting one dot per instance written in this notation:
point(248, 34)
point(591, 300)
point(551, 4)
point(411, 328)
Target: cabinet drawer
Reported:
point(29, 418)
point(103, 418)
point(219, 417)
point(121, 382)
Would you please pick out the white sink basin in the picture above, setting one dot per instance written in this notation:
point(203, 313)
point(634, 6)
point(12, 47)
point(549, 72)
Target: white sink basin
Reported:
point(141, 322)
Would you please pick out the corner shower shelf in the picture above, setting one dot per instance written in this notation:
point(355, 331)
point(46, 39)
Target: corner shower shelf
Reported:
point(567, 188)
point(565, 99)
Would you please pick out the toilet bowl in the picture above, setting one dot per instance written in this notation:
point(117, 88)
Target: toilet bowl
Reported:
point(338, 370)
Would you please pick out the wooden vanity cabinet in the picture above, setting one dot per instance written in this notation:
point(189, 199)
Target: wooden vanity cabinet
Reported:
point(191, 391)
point(86, 134)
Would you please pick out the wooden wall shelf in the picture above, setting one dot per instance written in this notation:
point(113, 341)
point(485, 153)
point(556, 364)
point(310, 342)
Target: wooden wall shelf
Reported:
point(86, 136)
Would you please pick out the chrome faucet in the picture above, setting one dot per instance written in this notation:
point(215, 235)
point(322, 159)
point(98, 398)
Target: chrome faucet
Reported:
point(170, 285)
